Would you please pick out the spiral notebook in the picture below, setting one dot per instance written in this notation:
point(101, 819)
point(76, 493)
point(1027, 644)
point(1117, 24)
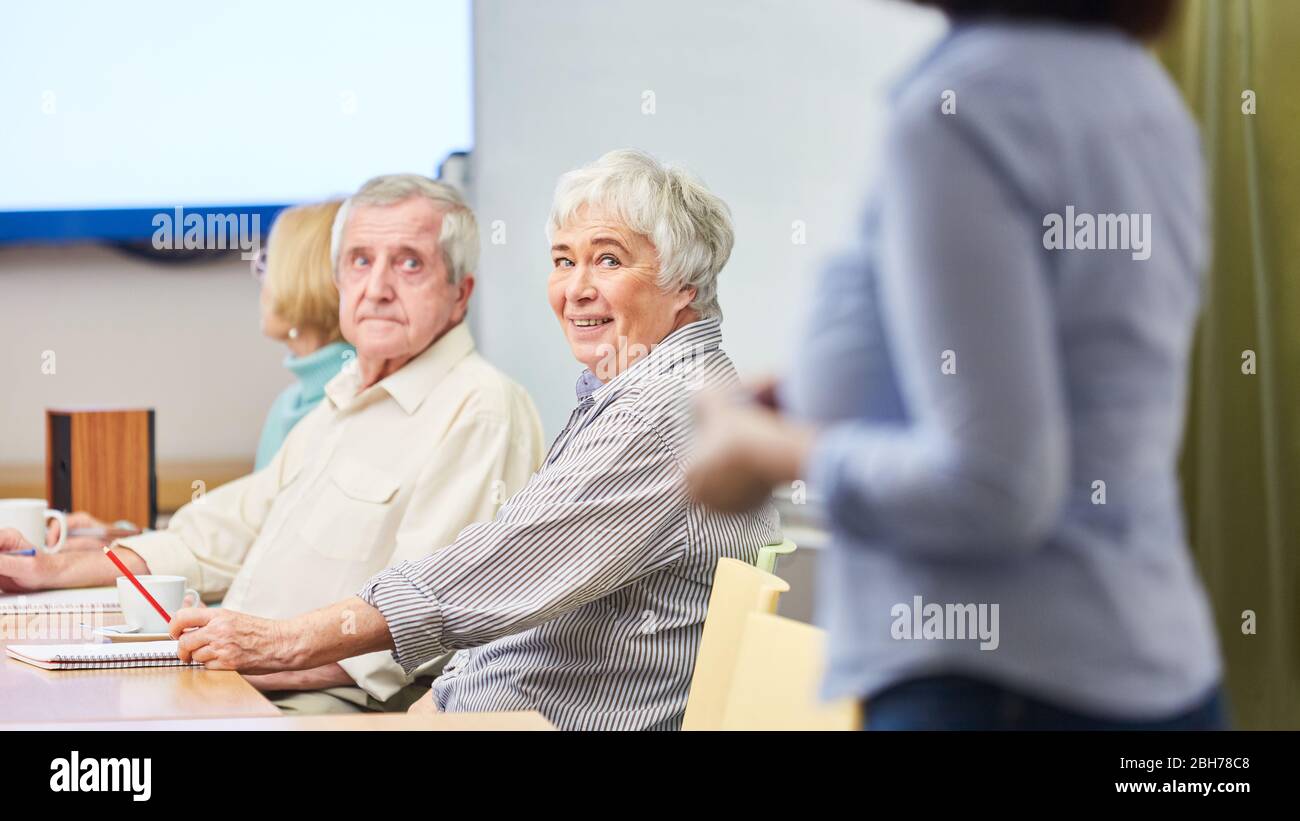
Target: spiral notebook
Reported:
point(76, 600)
point(98, 656)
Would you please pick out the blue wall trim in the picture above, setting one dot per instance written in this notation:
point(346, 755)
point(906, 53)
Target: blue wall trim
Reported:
point(111, 224)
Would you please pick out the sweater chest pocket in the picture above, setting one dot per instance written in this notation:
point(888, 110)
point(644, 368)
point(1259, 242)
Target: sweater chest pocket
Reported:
point(350, 517)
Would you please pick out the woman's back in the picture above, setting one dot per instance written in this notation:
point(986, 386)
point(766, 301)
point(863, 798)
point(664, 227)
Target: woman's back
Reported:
point(1026, 293)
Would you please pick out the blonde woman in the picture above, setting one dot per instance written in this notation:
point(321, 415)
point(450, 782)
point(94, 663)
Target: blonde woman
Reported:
point(300, 307)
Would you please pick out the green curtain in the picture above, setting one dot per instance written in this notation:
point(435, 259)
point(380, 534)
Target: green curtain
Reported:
point(1243, 433)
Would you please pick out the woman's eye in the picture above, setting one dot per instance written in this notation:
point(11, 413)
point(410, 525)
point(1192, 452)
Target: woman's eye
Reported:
point(410, 264)
point(563, 262)
point(608, 260)
point(360, 261)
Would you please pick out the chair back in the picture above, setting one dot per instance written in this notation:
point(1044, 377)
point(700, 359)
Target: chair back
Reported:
point(739, 590)
point(778, 670)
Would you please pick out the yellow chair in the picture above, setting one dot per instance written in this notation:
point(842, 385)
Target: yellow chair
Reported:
point(739, 590)
point(778, 670)
point(767, 556)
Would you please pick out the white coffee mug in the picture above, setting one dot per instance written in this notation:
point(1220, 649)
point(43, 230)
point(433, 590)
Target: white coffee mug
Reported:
point(29, 517)
point(169, 591)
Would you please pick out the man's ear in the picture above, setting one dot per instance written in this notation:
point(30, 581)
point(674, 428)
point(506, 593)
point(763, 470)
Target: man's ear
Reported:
point(465, 288)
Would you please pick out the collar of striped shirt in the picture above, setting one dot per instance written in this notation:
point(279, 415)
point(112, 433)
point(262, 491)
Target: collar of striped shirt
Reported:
point(680, 348)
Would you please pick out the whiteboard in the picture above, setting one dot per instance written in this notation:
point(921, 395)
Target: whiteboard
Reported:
point(155, 103)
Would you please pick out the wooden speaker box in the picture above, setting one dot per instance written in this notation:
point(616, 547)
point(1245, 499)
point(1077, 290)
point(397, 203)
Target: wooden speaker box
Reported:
point(102, 462)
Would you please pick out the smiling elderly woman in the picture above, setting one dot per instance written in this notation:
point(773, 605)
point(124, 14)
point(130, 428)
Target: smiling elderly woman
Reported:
point(584, 598)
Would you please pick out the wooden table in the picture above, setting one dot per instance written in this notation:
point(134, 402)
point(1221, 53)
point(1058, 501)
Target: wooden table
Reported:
point(176, 698)
point(29, 694)
point(359, 721)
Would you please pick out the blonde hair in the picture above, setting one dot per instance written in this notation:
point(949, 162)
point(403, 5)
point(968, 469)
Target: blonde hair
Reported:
point(299, 272)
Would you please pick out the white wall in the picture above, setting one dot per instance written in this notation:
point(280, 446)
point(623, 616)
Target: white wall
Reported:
point(181, 339)
point(776, 104)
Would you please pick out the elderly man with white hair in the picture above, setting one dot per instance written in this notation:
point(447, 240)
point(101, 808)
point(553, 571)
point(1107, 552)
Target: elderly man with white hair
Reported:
point(417, 439)
point(585, 596)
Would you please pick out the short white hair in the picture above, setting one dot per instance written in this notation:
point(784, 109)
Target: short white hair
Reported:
point(458, 237)
point(689, 226)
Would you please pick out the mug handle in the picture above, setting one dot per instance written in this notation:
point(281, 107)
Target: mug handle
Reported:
point(190, 591)
point(58, 516)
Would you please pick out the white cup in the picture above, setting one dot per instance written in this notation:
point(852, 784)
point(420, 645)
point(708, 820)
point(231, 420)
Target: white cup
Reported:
point(169, 591)
point(28, 517)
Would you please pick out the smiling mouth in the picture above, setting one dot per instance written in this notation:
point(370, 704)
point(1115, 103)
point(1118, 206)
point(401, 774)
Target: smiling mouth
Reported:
point(591, 323)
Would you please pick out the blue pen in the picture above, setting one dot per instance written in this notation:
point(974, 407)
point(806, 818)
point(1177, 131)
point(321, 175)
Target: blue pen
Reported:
point(31, 551)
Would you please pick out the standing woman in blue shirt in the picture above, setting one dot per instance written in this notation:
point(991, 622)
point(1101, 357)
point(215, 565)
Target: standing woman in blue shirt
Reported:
point(990, 397)
point(300, 307)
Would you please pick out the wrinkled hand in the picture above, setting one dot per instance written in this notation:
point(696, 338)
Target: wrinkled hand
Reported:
point(744, 450)
point(426, 705)
point(23, 574)
point(221, 639)
point(11, 539)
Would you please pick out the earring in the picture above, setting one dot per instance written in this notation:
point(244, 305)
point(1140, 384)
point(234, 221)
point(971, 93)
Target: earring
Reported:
point(293, 333)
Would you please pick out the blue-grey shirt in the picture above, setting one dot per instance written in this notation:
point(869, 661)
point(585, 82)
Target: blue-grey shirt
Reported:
point(1003, 406)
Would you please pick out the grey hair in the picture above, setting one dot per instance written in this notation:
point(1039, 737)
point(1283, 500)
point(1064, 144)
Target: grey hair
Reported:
point(458, 237)
point(689, 225)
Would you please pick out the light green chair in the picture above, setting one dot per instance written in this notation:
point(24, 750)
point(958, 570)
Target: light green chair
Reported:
point(767, 556)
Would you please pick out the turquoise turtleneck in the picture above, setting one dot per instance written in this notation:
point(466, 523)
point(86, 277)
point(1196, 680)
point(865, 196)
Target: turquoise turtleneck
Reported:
point(296, 401)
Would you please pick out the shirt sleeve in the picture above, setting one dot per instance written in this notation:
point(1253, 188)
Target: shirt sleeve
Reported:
point(481, 463)
point(980, 467)
point(608, 511)
point(207, 540)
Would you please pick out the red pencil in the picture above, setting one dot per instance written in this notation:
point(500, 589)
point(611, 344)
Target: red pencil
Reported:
point(136, 582)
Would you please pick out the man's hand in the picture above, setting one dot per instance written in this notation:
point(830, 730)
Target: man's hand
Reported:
point(23, 574)
point(222, 639)
point(11, 539)
point(49, 571)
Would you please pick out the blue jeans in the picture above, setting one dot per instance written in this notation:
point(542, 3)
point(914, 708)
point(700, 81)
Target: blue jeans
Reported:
point(962, 703)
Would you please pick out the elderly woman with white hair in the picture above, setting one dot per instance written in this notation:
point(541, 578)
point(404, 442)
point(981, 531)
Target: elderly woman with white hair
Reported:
point(586, 595)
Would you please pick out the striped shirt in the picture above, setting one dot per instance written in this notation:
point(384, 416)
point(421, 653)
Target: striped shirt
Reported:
point(585, 597)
